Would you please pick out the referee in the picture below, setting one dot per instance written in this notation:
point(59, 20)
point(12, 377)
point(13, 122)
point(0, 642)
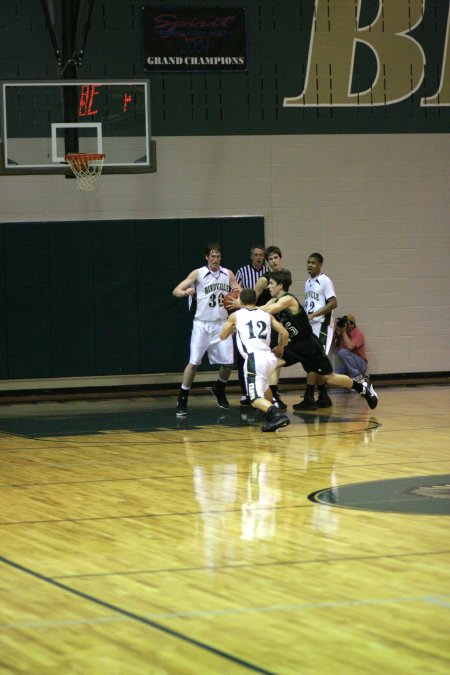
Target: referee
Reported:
point(247, 276)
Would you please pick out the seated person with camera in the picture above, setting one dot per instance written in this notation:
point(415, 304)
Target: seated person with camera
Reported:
point(350, 343)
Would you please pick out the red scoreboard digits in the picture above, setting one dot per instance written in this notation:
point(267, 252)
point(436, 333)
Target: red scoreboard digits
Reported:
point(126, 100)
point(87, 106)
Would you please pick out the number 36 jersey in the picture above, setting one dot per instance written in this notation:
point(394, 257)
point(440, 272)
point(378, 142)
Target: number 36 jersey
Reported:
point(253, 328)
point(211, 288)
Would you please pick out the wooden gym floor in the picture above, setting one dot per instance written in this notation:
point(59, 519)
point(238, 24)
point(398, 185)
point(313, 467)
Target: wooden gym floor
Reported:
point(133, 543)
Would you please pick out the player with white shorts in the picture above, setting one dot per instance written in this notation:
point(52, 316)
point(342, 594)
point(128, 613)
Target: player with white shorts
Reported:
point(320, 300)
point(205, 339)
point(319, 290)
point(253, 328)
point(208, 285)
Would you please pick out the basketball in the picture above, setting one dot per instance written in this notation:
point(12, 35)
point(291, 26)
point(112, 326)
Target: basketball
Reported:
point(233, 295)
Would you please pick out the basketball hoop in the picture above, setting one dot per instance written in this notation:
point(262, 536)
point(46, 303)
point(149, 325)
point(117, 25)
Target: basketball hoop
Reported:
point(87, 168)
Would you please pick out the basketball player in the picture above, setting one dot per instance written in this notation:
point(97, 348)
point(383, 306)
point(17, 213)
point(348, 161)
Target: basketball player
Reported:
point(253, 329)
point(275, 262)
point(320, 300)
point(209, 284)
point(247, 277)
point(304, 347)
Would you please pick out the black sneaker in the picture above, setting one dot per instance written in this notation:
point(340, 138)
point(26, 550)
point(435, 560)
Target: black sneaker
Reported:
point(219, 393)
point(369, 394)
point(278, 403)
point(181, 407)
point(324, 401)
point(245, 400)
point(306, 404)
point(276, 422)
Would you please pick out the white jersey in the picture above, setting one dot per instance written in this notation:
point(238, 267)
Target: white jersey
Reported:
point(318, 290)
point(253, 328)
point(211, 288)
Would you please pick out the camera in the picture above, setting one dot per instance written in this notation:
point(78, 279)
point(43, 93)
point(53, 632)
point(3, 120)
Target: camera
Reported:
point(342, 322)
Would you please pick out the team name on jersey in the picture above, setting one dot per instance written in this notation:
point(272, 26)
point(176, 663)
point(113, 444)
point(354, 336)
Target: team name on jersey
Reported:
point(311, 294)
point(217, 287)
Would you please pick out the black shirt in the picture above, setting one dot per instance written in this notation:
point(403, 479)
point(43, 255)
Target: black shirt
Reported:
point(265, 295)
point(296, 324)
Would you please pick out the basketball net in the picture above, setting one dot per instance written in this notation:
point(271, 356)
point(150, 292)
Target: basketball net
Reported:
point(87, 169)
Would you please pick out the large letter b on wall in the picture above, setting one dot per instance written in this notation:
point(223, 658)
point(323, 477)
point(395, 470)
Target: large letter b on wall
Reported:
point(335, 34)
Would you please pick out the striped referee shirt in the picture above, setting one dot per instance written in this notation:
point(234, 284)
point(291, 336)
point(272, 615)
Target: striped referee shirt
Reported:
point(247, 276)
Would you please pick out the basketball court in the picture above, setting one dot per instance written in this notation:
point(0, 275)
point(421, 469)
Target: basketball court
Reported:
point(135, 542)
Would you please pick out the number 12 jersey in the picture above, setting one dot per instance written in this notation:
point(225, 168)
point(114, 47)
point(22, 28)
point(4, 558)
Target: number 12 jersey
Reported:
point(253, 327)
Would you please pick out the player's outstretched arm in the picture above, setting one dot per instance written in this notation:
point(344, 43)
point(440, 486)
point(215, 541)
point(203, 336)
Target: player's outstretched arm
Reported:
point(267, 305)
point(275, 306)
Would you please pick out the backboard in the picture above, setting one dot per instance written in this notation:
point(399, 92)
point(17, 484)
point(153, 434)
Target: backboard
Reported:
point(43, 120)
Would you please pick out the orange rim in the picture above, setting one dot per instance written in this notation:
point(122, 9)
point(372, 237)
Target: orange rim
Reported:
point(84, 156)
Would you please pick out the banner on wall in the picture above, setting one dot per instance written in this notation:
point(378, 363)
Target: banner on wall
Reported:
point(191, 39)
